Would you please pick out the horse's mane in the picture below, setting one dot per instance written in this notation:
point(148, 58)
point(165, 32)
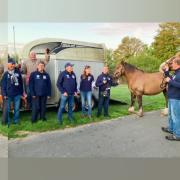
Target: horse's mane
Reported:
point(130, 67)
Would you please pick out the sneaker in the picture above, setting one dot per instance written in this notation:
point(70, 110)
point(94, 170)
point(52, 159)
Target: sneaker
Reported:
point(83, 115)
point(172, 138)
point(44, 119)
point(165, 129)
point(90, 118)
point(60, 122)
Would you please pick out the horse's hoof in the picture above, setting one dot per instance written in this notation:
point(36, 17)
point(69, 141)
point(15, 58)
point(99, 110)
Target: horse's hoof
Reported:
point(164, 112)
point(131, 110)
point(140, 113)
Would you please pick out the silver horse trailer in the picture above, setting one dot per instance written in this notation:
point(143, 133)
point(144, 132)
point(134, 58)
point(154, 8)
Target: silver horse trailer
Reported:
point(63, 51)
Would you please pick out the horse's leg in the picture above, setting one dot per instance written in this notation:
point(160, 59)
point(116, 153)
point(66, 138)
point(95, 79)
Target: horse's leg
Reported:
point(131, 108)
point(140, 111)
point(165, 111)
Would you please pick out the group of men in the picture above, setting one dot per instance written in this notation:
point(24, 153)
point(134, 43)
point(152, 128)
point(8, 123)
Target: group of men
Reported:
point(36, 89)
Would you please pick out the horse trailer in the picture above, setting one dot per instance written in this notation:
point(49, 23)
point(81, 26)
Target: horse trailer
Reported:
point(63, 51)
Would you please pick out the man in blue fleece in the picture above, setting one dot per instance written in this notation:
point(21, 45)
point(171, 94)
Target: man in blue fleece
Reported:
point(40, 90)
point(12, 89)
point(174, 102)
point(67, 85)
point(104, 82)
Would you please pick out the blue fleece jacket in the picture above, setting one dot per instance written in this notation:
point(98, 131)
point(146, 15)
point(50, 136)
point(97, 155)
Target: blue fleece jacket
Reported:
point(174, 86)
point(40, 84)
point(9, 87)
point(67, 83)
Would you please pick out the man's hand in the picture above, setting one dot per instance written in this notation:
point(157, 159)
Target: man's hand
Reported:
point(48, 97)
point(167, 79)
point(23, 97)
point(166, 67)
point(33, 97)
point(75, 94)
point(65, 94)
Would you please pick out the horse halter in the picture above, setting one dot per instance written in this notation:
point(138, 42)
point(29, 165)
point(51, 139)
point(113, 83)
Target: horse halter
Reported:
point(120, 72)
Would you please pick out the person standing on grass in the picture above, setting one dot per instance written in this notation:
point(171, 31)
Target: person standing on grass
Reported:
point(86, 81)
point(67, 85)
point(30, 65)
point(12, 89)
point(3, 102)
point(104, 82)
point(173, 101)
point(40, 90)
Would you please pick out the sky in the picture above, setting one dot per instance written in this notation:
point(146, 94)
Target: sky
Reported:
point(110, 34)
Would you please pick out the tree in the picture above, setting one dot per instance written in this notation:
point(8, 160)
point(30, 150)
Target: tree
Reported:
point(167, 41)
point(109, 60)
point(129, 47)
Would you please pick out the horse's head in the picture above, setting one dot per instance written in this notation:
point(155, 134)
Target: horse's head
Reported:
point(170, 62)
point(119, 71)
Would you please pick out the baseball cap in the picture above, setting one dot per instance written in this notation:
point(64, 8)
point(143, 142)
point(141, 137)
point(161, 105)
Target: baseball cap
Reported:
point(68, 64)
point(11, 61)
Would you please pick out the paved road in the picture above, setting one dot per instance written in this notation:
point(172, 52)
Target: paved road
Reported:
point(126, 137)
point(3, 146)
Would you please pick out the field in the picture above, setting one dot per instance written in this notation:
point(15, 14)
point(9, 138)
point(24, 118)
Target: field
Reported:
point(116, 109)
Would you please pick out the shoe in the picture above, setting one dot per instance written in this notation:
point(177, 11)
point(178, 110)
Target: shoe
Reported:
point(60, 122)
point(172, 138)
point(72, 120)
point(165, 129)
point(83, 116)
point(98, 115)
point(44, 119)
point(107, 116)
point(90, 118)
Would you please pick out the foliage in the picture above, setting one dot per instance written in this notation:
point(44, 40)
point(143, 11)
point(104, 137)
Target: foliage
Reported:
point(145, 62)
point(167, 41)
point(130, 46)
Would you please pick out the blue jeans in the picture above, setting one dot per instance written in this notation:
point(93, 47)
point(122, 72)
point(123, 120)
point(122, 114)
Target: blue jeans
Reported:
point(16, 101)
point(86, 97)
point(174, 116)
point(103, 102)
point(70, 100)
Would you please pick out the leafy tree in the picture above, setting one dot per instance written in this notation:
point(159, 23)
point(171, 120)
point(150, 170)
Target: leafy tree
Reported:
point(130, 46)
point(167, 41)
point(109, 60)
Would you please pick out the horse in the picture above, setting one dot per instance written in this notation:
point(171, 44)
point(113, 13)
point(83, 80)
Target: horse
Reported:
point(141, 83)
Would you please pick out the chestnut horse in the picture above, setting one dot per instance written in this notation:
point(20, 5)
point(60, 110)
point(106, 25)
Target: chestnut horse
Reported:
point(141, 83)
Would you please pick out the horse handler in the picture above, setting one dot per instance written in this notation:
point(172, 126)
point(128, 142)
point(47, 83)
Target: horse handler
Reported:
point(104, 82)
point(174, 101)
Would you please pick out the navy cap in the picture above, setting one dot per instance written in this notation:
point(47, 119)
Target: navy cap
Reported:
point(11, 61)
point(68, 64)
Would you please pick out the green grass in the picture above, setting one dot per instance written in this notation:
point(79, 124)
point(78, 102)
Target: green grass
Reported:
point(116, 110)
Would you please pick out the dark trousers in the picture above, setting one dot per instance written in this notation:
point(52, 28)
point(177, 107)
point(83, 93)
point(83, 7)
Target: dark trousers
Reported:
point(39, 107)
point(103, 102)
point(5, 112)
